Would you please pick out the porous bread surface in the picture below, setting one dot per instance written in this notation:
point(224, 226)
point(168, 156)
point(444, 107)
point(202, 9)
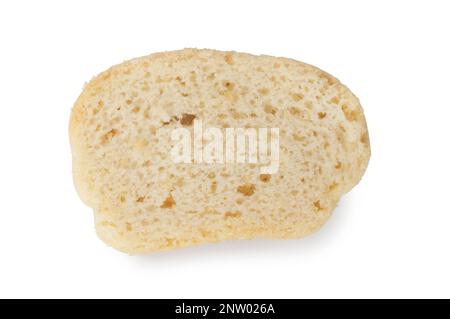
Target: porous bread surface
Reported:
point(120, 133)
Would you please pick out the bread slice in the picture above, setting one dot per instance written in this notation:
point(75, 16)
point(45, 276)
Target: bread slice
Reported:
point(143, 201)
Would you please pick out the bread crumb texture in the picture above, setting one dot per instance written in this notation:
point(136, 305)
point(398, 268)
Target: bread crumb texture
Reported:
point(120, 133)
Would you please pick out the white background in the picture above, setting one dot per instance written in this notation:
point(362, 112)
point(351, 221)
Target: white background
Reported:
point(389, 237)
